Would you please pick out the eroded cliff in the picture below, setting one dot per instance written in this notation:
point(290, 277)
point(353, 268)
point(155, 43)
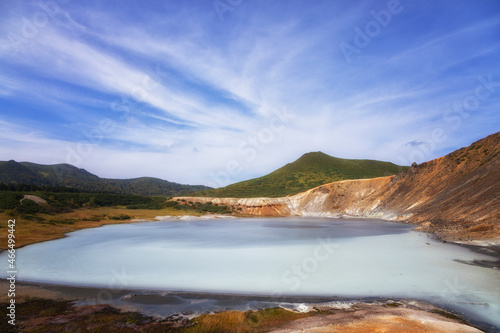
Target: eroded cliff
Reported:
point(456, 196)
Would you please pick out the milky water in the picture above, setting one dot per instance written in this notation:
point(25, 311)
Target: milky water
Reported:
point(279, 256)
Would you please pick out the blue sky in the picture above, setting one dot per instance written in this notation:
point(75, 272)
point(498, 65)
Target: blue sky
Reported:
point(214, 92)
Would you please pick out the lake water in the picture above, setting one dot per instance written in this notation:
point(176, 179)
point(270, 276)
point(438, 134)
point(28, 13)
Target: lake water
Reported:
point(277, 256)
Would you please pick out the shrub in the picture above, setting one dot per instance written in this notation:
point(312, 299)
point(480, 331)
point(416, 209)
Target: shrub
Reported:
point(121, 217)
point(65, 221)
point(93, 218)
point(29, 207)
point(10, 200)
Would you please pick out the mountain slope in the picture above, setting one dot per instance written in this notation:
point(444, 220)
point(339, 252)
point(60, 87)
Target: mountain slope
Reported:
point(71, 176)
point(457, 196)
point(62, 173)
point(13, 172)
point(310, 170)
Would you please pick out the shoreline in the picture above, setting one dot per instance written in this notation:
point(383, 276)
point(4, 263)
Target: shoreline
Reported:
point(489, 247)
point(147, 303)
point(485, 241)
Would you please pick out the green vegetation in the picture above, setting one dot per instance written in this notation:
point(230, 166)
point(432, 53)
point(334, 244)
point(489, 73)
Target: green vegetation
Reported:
point(45, 315)
point(59, 202)
point(11, 200)
point(181, 204)
point(63, 316)
point(249, 321)
point(31, 188)
point(63, 221)
point(206, 208)
point(120, 217)
point(311, 170)
point(13, 204)
point(66, 175)
point(104, 319)
point(478, 153)
point(154, 203)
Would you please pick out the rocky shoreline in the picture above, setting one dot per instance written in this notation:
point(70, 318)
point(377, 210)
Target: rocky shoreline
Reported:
point(313, 314)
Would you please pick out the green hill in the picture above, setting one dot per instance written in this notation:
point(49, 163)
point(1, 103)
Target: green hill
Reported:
point(310, 170)
point(12, 172)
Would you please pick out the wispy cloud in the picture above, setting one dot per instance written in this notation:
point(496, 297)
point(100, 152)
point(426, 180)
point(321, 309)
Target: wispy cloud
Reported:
point(186, 91)
point(415, 143)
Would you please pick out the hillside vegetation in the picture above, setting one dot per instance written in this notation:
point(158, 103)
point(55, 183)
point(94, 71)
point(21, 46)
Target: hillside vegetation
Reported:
point(45, 213)
point(66, 175)
point(310, 170)
point(456, 197)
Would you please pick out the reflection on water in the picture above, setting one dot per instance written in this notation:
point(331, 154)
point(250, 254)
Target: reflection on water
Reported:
point(289, 256)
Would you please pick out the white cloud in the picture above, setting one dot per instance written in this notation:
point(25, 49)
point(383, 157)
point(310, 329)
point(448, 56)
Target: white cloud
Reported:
point(62, 58)
point(221, 84)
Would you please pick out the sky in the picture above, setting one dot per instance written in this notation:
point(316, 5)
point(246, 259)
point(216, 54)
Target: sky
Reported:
point(216, 92)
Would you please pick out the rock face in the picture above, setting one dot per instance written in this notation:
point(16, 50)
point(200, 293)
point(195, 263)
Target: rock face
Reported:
point(456, 196)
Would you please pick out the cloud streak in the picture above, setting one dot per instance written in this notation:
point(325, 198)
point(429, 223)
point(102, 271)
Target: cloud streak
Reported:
point(185, 90)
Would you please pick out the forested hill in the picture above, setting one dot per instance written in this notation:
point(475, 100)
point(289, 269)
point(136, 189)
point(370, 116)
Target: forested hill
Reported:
point(310, 170)
point(66, 175)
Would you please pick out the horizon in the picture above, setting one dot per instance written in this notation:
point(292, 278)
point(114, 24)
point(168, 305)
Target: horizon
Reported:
point(311, 152)
point(190, 184)
point(217, 92)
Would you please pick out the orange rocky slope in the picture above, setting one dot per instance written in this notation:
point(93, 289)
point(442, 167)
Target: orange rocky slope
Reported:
point(456, 196)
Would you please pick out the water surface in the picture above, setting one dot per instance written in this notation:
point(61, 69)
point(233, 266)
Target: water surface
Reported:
point(279, 256)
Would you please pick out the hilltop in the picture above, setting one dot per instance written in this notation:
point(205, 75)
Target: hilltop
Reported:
point(310, 170)
point(66, 175)
point(456, 196)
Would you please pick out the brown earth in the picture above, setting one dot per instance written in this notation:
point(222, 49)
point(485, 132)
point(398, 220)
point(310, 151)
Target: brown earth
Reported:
point(456, 197)
point(368, 318)
point(41, 309)
point(57, 226)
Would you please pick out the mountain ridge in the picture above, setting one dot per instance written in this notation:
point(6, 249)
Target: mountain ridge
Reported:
point(70, 176)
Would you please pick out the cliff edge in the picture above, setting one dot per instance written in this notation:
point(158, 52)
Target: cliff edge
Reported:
point(456, 197)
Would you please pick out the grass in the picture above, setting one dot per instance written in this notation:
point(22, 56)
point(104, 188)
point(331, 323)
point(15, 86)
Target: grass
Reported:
point(46, 227)
point(38, 307)
point(44, 315)
point(66, 212)
point(102, 320)
point(32, 308)
point(108, 319)
point(311, 170)
point(249, 321)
